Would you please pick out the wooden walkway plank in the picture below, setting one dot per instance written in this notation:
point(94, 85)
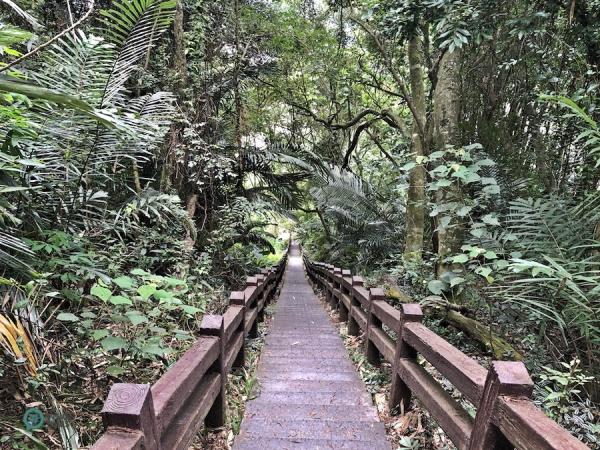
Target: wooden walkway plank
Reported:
point(310, 394)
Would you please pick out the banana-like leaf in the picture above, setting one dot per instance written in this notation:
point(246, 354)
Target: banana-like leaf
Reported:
point(68, 101)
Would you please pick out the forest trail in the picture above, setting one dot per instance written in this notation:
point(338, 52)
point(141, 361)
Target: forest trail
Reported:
point(310, 396)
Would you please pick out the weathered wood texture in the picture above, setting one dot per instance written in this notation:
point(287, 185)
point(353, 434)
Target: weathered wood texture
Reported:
point(191, 394)
point(310, 396)
point(506, 417)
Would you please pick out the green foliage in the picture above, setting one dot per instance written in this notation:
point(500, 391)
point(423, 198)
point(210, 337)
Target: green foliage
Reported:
point(562, 388)
point(552, 268)
point(361, 224)
point(589, 136)
point(141, 313)
point(469, 172)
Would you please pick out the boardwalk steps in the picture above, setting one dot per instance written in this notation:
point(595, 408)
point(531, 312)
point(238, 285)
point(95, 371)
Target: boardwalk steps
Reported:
point(310, 394)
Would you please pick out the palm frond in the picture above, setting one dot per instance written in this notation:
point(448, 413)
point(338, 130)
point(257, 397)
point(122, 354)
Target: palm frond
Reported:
point(132, 26)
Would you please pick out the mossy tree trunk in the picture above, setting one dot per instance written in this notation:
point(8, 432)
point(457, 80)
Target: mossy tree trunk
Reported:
point(446, 119)
point(415, 205)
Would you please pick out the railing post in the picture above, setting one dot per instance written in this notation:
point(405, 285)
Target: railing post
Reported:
point(253, 332)
point(213, 325)
point(504, 378)
point(353, 327)
point(338, 286)
point(274, 285)
point(330, 286)
point(237, 298)
point(130, 406)
point(400, 394)
point(261, 297)
point(266, 273)
point(373, 354)
point(345, 274)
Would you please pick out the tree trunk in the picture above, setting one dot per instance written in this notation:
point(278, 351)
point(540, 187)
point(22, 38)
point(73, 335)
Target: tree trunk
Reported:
point(415, 205)
point(501, 349)
point(180, 66)
point(179, 58)
point(191, 204)
point(446, 117)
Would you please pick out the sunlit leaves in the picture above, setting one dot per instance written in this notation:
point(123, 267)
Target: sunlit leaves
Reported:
point(101, 292)
point(67, 317)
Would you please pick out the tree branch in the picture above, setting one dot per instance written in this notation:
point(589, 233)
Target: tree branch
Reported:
point(395, 75)
point(354, 142)
point(49, 42)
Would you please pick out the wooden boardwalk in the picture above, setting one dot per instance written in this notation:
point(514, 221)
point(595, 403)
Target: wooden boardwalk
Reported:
point(310, 396)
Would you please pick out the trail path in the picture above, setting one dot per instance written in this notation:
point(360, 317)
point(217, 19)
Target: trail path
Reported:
point(310, 394)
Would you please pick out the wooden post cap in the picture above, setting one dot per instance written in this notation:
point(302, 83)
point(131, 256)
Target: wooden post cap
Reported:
point(357, 280)
point(512, 378)
point(346, 273)
point(251, 281)
point(211, 325)
point(337, 271)
point(377, 293)
point(125, 403)
point(411, 312)
point(130, 406)
point(237, 298)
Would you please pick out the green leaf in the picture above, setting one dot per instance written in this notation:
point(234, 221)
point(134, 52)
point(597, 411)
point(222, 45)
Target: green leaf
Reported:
point(471, 177)
point(67, 317)
point(169, 281)
point(120, 300)
point(146, 290)
point(33, 91)
point(10, 35)
point(490, 255)
point(101, 292)
point(161, 294)
point(456, 281)
point(460, 259)
point(190, 309)
point(153, 349)
point(136, 317)
point(463, 211)
point(124, 282)
point(444, 222)
point(436, 286)
point(485, 272)
point(501, 264)
point(436, 155)
point(139, 272)
point(111, 343)
point(99, 334)
point(408, 166)
point(477, 232)
point(490, 219)
point(115, 371)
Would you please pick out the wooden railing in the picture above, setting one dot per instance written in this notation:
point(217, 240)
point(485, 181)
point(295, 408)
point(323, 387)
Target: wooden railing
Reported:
point(506, 417)
point(169, 413)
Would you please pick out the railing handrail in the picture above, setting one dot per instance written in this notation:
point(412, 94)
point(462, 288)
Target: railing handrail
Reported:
point(502, 394)
point(169, 413)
